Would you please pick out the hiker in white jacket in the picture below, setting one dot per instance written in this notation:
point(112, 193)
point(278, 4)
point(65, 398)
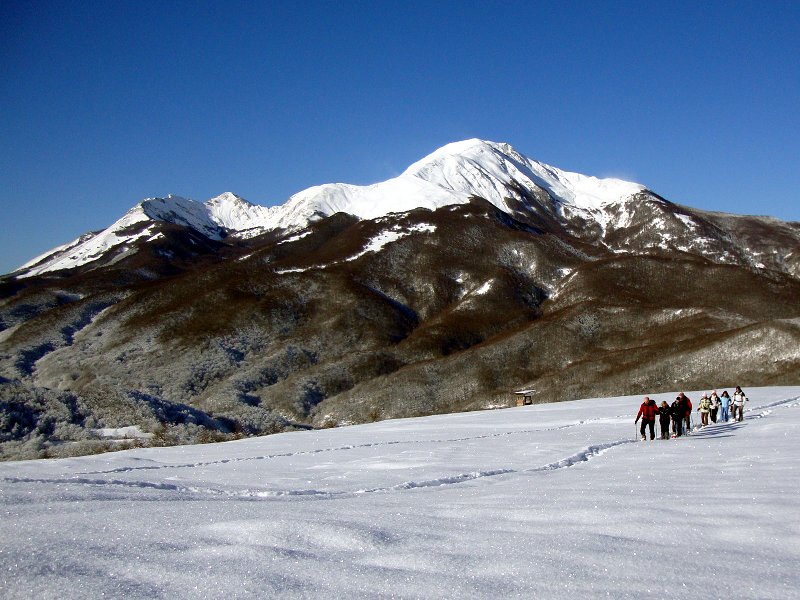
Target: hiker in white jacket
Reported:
point(738, 404)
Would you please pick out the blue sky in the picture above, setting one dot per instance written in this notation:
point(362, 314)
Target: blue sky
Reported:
point(103, 104)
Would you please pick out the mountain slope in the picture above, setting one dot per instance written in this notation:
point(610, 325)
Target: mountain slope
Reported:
point(481, 272)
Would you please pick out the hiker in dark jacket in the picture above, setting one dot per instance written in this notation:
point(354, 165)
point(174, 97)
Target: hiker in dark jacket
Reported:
point(664, 413)
point(678, 412)
point(648, 411)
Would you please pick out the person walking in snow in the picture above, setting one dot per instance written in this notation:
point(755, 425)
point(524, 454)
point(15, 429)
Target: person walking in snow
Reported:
point(688, 403)
point(714, 406)
point(648, 411)
point(678, 412)
point(724, 406)
point(664, 413)
point(738, 404)
point(687, 410)
point(704, 408)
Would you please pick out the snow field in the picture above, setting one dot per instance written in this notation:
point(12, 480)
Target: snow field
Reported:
point(547, 501)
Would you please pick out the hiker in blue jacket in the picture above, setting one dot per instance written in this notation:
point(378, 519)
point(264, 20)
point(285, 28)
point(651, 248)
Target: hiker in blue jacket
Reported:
point(725, 407)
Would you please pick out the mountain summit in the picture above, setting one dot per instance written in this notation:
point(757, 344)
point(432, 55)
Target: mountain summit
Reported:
point(453, 175)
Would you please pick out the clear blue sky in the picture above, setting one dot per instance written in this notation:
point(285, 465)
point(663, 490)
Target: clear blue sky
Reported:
point(105, 103)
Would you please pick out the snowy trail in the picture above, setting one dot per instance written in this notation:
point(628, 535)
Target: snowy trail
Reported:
point(346, 448)
point(549, 501)
point(578, 457)
point(581, 456)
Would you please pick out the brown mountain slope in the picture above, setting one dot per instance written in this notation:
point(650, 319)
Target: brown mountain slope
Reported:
point(405, 315)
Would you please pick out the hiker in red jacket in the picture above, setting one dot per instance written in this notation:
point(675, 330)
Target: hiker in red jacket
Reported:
point(688, 407)
point(648, 411)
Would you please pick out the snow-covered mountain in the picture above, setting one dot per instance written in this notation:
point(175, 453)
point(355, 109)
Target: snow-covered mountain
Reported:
point(215, 219)
point(619, 215)
point(449, 176)
point(453, 175)
point(474, 272)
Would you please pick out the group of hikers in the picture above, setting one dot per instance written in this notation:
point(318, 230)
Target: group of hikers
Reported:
point(679, 413)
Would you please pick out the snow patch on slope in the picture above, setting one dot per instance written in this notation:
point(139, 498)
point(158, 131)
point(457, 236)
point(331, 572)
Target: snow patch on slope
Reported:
point(392, 235)
point(375, 244)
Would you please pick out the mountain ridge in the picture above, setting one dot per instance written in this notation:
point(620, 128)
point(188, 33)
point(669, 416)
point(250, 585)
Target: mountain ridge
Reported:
point(450, 175)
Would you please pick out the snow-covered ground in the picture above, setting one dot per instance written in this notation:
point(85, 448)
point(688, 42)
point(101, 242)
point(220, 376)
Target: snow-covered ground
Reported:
point(548, 501)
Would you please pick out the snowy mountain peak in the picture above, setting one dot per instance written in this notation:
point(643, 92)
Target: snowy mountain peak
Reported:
point(453, 174)
point(182, 211)
point(486, 169)
point(227, 198)
point(464, 150)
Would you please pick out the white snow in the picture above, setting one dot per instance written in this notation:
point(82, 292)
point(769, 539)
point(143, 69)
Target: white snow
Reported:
point(388, 236)
point(49, 253)
point(375, 244)
point(236, 214)
point(127, 432)
point(210, 218)
point(295, 237)
point(422, 228)
point(378, 242)
point(548, 501)
point(298, 270)
point(89, 247)
point(484, 289)
point(452, 175)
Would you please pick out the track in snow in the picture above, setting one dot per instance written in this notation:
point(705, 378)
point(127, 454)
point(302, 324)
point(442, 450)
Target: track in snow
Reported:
point(345, 448)
point(579, 457)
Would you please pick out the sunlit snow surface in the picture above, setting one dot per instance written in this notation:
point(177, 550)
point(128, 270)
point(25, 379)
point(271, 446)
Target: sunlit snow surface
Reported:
point(549, 501)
